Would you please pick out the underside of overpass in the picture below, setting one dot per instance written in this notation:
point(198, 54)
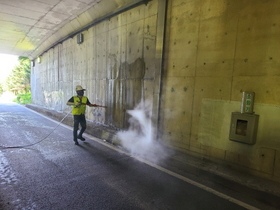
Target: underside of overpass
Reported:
point(193, 62)
point(30, 27)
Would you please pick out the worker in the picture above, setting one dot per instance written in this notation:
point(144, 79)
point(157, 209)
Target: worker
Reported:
point(78, 104)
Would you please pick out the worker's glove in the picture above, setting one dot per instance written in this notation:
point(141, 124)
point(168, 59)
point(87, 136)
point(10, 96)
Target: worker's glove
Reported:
point(77, 103)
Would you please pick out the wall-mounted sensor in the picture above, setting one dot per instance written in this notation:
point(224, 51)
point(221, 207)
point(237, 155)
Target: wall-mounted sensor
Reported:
point(247, 104)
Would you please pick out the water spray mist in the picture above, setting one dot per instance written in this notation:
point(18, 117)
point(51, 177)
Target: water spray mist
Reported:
point(139, 138)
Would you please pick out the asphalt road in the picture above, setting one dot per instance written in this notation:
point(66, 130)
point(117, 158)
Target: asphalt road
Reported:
point(56, 174)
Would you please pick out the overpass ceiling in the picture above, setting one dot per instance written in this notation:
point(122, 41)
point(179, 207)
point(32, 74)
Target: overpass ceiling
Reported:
point(28, 24)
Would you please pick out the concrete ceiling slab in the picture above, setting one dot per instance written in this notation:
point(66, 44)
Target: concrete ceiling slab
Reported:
point(26, 24)
point(30, 27)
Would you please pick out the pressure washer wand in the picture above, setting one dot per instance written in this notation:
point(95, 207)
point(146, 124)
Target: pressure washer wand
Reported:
point(95, 105)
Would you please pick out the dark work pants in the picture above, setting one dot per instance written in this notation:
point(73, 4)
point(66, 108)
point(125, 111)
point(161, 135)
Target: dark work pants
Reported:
point(79, 119)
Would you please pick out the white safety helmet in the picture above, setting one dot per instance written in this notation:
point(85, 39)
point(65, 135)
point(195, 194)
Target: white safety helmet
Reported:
point(79, 87)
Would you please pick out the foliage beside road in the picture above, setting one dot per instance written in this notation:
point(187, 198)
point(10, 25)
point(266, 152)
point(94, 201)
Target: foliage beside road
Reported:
point(18, 82)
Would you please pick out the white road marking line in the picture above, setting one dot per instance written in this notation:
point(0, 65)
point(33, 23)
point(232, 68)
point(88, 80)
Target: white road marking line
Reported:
point(208, 189)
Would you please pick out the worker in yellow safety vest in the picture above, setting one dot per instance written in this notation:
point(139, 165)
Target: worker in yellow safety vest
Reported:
point(79, 103)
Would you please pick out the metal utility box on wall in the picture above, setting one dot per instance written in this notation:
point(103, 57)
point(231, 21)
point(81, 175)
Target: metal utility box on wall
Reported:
point(244, 124)
point(243, 127)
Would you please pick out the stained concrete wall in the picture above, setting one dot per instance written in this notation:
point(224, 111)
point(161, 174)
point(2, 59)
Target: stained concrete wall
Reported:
point(115, 63)
point(214, 50)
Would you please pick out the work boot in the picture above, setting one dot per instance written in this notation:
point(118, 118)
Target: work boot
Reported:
point(81, 138)
point(76, 142)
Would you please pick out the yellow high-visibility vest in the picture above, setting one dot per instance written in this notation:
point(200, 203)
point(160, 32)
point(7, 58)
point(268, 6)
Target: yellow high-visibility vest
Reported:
point(81, 109)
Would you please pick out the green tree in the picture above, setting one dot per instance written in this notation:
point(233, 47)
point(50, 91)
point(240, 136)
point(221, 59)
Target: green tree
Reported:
point(18, 81)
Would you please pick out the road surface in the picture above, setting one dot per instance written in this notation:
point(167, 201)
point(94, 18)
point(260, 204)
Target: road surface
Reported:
point(54, 173)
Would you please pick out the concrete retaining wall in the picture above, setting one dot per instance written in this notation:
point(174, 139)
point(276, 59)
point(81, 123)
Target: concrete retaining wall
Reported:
point(213, 51)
